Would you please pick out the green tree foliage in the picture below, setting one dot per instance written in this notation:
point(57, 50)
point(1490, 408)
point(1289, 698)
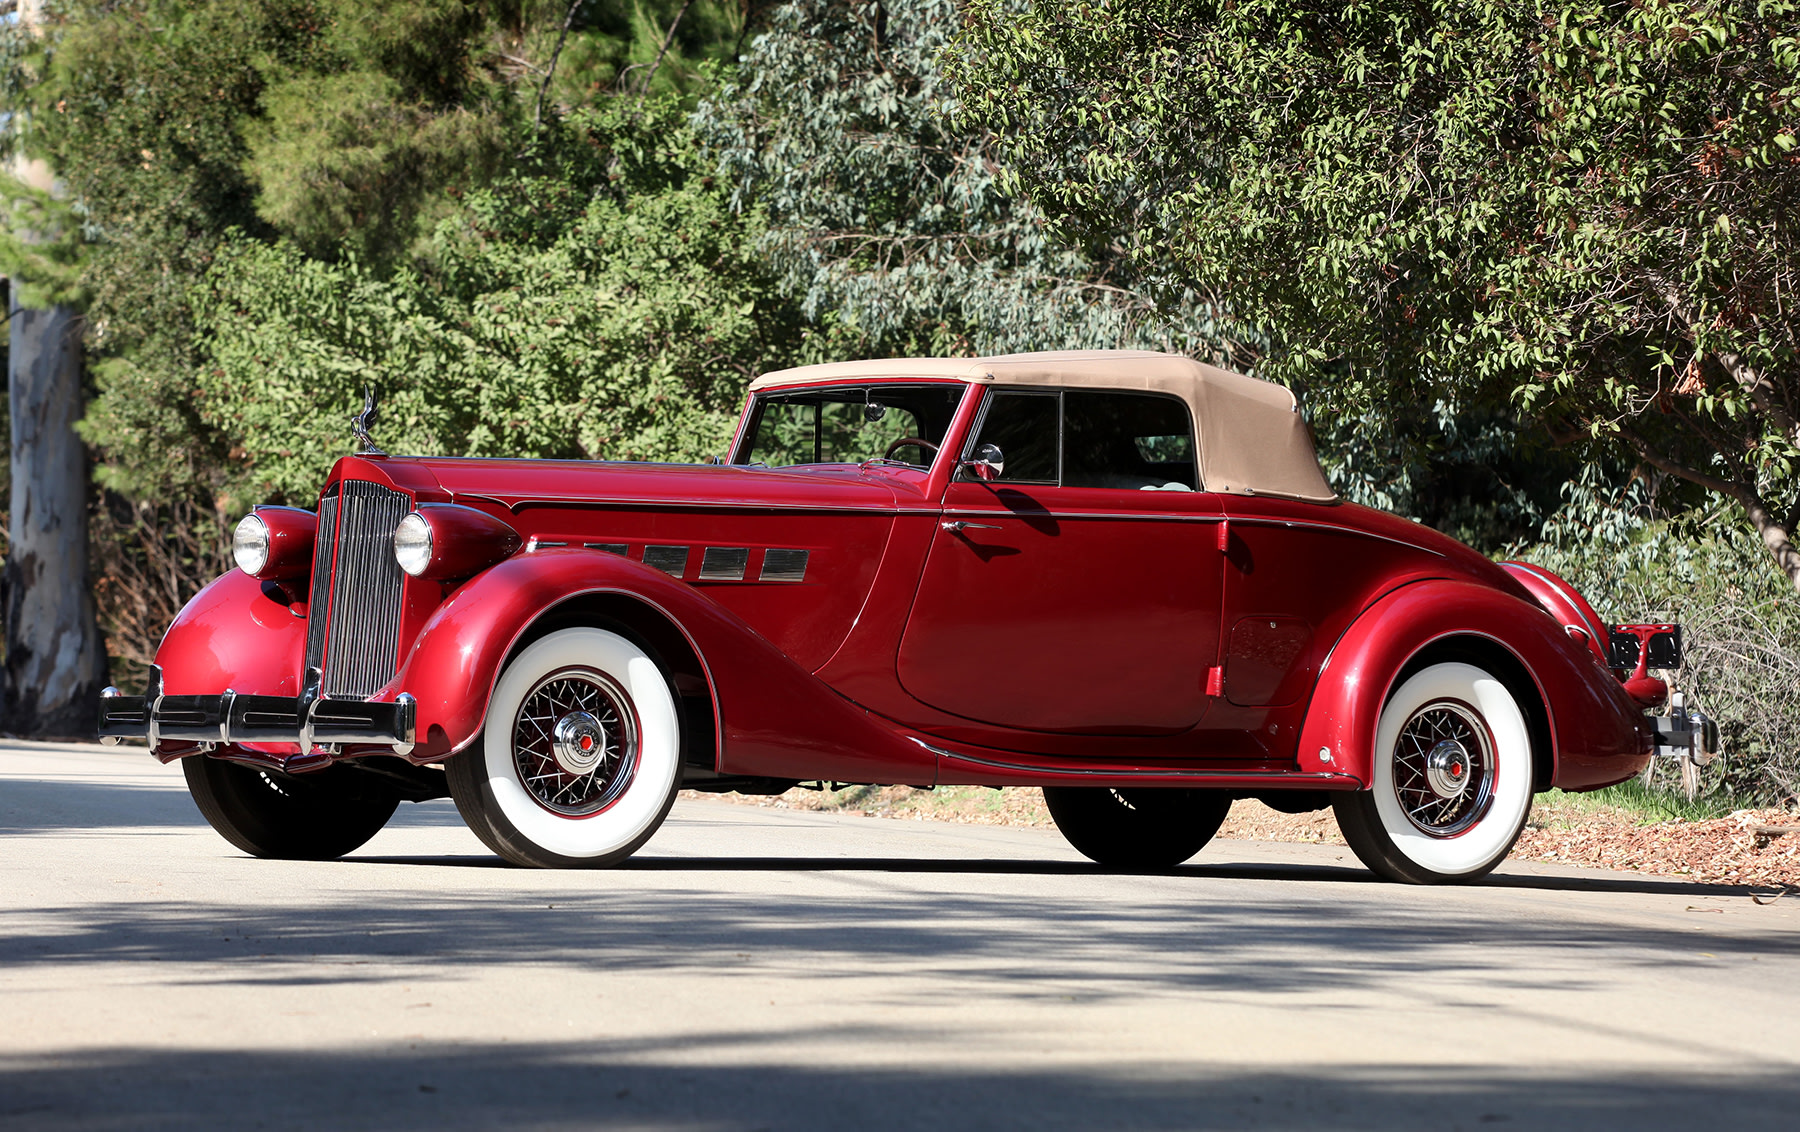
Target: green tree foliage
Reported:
point(357, 140)
point(890, 225)
point(607, 305)
point(1580, 210)
point(1474, 472)
point(352, 130)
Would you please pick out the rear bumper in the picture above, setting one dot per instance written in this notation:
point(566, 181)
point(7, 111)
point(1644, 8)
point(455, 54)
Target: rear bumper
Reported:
point(307, 720)
point(1686, 733)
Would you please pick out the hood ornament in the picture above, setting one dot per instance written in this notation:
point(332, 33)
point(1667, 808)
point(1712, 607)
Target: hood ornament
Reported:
point(362, 422)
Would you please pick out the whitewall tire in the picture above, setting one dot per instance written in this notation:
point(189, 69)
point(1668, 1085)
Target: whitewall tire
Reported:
point(1452, 779)
point(580, 757)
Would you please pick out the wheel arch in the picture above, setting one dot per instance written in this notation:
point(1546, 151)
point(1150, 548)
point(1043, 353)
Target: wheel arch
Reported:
point(766, 717)
point(655, 630)
point(1490, 655)
point(1444, 620)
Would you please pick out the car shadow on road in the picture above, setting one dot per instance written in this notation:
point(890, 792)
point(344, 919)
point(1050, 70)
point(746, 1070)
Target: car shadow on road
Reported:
point(922, 866)
point(1617, 882)
point(1273, 871)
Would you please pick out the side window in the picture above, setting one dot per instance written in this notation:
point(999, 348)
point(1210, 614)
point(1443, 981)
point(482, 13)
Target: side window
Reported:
point(1127, 440)
point(1023, 427)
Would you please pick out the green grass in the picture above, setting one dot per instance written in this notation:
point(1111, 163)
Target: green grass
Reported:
point(1648, 803)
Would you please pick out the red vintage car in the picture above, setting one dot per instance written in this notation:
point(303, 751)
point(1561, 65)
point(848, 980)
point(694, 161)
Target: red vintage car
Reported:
point(1120, 577)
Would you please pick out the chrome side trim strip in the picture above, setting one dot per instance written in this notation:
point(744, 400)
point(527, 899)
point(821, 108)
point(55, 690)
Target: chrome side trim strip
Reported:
point(689, 504)
point(1338, 527)
point(1165, 517)
point(1146, 516)
point(1309, 777)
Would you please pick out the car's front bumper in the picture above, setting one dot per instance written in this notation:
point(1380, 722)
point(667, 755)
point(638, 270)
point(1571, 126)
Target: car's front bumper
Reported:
point(307, 720)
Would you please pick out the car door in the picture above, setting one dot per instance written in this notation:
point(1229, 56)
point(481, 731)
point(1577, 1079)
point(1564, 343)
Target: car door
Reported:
point(1078, 590)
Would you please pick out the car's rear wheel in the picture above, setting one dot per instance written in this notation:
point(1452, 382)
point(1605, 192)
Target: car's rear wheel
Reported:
point(1452, 774)
point(1137, 827)
point(305, 817)
point(580, 757)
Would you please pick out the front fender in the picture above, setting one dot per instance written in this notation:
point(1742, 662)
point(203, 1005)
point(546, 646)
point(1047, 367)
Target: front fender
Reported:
point(236, 633)
point(775, 719)
point(1597, 735)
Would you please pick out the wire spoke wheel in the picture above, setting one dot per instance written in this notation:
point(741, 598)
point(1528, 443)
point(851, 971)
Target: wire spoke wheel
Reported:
point(1444, 768)
point(575, 742)
point(580, 757)
point(1452, 779)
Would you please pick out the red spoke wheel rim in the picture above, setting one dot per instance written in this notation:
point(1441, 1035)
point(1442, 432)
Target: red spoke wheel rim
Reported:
point(575, 742)
point(1444, 768)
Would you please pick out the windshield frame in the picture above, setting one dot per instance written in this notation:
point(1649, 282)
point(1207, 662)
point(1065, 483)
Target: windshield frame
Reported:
point(743, 443)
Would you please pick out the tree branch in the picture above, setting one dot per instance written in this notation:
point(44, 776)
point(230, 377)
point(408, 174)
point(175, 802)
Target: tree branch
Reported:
point(1756, 386)
point(664, 50)
point(1775, 534)
point(537, 112)
point(1656, 459)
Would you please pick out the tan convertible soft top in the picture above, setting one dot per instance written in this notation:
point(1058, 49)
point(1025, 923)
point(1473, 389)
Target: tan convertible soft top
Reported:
point(1252, 440)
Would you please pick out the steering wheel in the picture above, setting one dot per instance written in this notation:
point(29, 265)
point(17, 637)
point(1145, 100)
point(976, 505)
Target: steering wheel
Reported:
point(909, 442)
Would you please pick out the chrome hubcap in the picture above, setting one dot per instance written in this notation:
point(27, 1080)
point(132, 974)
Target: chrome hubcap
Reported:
point(575, 742)
point(1447, 769)
point(579, 743)
point(1444, 768)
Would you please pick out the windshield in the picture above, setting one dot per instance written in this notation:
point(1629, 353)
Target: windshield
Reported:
point(851, 424)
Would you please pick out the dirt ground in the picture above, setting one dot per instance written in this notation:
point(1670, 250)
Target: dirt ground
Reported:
point(1727, 850)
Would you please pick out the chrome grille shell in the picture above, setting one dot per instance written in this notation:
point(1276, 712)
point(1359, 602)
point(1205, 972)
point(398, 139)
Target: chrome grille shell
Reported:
point(353, 619)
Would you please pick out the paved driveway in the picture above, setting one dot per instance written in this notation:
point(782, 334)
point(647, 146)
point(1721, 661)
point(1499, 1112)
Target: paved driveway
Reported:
point(760, 969)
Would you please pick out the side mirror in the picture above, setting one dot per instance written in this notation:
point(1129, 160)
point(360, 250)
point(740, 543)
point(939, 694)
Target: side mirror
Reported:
point(987, 464)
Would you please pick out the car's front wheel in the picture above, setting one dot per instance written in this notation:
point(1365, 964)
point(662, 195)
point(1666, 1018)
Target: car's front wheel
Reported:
point(1452, 779)
point(1137, 827)
point(301, 817)
point(580, 757)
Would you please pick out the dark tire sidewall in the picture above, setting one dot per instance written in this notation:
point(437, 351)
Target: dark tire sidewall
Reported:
point(1166, 827)
point(315, 817)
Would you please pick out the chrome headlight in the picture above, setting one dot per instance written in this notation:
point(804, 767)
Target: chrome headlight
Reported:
point(250, 545)
point(412, 544)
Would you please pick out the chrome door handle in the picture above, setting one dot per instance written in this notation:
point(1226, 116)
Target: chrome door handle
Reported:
point(957, 526)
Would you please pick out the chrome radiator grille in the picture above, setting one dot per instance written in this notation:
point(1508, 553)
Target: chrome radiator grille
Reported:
point(353, 620)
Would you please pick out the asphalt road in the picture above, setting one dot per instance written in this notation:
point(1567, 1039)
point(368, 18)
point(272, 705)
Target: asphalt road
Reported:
point(759, 969)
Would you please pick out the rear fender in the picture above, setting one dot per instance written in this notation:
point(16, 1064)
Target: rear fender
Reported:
point(1595, 735)
point(1565, 603)
point(773, 718)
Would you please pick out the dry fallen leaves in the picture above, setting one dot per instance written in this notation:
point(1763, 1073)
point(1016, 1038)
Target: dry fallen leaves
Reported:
point(1728, 850)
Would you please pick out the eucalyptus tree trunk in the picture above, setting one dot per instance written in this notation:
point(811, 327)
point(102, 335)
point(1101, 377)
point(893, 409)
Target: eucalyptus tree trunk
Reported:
point(55, 665)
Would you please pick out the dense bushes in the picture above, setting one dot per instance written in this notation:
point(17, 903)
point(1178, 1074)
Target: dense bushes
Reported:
point(1740, 619)
point(603, 303)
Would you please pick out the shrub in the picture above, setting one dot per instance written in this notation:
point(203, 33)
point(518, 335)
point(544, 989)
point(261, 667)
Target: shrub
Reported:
point(1741, 625)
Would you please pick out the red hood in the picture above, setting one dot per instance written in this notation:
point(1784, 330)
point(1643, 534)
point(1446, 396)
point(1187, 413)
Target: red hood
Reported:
point(514, 484)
